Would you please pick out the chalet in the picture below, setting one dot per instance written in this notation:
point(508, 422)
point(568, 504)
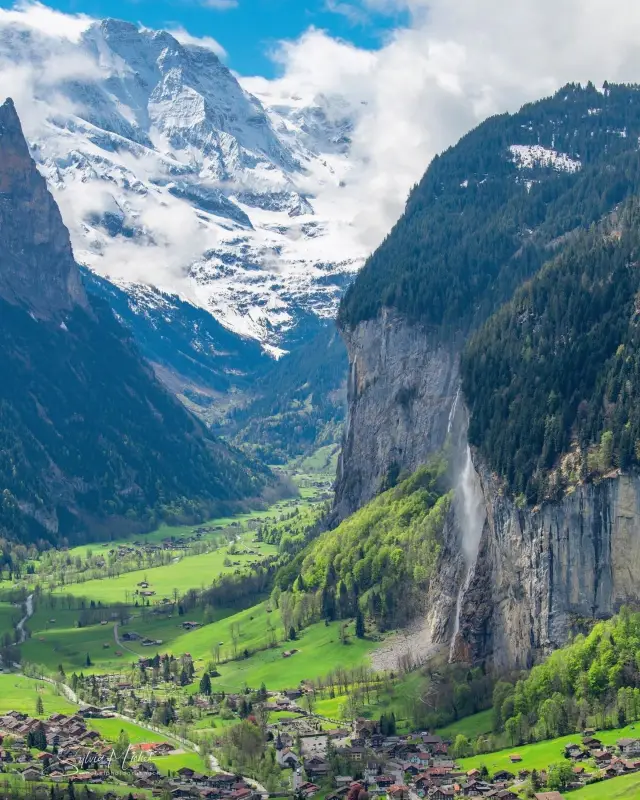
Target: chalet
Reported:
point(431, 742)
point(316, 767)
point(398, 792)
point(32, 774)
point(548, 796)
point(352, 753)
point(515, 758)
point(306, 790)
point(475, 789)
point(91, 712)
point(501, 794)
point(344, 780)
point(163, 749)
point(591, 743)
point(365, 728)
point(443, 793)
point(186, 772)
point(339, 794)
point(287, 759)
point(629, 747)
point(184, 791)
point(601, 756)
point(502, 776)
point(573, 751)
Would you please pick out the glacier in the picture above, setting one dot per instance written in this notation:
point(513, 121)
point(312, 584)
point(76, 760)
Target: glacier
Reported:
point(172, 176)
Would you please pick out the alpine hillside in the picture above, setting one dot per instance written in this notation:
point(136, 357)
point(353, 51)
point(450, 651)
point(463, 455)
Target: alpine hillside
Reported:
point(90, 440)
point(536, 210)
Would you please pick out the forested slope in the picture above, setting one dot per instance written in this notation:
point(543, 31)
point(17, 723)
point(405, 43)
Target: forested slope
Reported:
point(557, 370)
point(380, 560)
point(484, 215)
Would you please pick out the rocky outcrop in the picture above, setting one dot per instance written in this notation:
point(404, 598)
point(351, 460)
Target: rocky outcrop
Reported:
point(541, 572)
point(536, 575)
point(38, 270)
point(401, 389)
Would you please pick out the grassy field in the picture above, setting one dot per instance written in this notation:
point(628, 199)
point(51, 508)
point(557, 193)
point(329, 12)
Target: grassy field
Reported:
point(626, 787)
point(62, 642)
point(320, 651)
point(18, 693)
point(541, 754)
point(471, 727)
point(110, 729)
point(9, 615)
point(190, 572)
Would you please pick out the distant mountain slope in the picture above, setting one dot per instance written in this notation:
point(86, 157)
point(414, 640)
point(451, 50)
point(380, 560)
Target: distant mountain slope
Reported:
point(483, 216)
point(187, 346)
point(89, 440)
point(169, 173)
point(299, 402)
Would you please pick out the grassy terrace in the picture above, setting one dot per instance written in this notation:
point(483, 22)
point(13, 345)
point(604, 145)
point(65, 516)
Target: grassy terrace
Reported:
point(190, 572)
point(627, 787)
point(541, 754)
point(18, 693)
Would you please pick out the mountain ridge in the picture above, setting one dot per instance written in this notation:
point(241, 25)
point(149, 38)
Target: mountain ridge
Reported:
point(90, 440)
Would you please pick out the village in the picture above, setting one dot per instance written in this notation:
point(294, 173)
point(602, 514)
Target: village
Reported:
point(61, 749)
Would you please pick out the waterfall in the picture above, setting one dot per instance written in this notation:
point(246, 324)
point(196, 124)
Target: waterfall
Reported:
point(452, 412)
point(470, 516)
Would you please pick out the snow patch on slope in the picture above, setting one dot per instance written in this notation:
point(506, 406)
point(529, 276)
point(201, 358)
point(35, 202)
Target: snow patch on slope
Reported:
point(531, 156)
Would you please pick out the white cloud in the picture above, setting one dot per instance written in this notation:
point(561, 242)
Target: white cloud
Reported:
point(220, 5)
point(184, 37)
point(45, 20)
point(458, 62)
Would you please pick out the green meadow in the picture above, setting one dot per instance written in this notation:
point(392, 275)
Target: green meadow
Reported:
point(541, 754)
point(627, 787)
point(18, 693)
point(471, 727)
point(189, 572)
point(319, 647)
point(56, 640)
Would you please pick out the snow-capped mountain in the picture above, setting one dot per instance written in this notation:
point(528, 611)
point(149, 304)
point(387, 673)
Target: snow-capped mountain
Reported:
point(170, 174)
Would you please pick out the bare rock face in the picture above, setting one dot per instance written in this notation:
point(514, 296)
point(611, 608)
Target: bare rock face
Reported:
point(37, 269)
point(401, 389)
point(540, 573)
point(537, 575)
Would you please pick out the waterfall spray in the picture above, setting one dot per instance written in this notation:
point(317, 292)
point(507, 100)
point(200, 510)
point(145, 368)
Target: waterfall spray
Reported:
point(452, 412)
point(470, 515)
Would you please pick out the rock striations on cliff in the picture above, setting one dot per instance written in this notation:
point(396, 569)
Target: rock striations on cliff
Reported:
point(493, 211)
point(38, 271)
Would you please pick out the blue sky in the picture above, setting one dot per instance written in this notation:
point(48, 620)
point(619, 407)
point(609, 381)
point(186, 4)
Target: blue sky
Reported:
point(248, 29)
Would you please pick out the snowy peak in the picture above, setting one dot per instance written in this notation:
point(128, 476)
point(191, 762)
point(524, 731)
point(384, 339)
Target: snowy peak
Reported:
point(170, 173)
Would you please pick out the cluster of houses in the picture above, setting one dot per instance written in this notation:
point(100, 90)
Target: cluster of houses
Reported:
point(72, 747)
point(610, 762)
point(76, 754)
point(188, 783)
point(411, 767)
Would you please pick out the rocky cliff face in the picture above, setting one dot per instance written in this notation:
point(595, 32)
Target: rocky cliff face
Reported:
point(534, 575)
point(539, 572)
point(401, 389)
point(38, 269)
